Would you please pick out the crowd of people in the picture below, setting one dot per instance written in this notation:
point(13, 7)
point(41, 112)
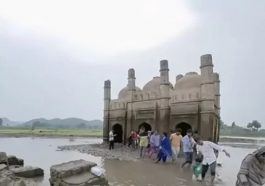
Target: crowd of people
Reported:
point(168, 147)
point(156, 147)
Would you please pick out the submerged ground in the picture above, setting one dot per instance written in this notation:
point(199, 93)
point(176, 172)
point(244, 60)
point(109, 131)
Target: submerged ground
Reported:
point(123, 167)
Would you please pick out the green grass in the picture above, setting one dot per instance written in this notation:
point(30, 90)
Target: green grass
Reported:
point(23, 131)
point(50, 132)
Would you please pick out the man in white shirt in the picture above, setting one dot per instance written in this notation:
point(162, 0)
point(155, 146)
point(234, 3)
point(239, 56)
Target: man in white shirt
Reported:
point(206, 148)
point(188, 144)
point(111, 139)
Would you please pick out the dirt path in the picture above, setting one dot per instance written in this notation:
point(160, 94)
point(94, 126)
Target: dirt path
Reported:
point(120, 152)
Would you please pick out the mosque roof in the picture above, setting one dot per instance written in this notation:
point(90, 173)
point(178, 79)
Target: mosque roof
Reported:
point(124, 92)
point(190, 80)
point(154, 85)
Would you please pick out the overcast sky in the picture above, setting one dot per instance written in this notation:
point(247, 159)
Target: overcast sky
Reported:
point(55, 55)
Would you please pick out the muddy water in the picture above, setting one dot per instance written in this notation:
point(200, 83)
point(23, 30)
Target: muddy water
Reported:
point(150, 174)
point(42, 152)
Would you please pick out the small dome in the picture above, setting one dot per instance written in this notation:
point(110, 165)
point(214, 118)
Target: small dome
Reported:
point(191, 73)
point(190, 80)
point(153, 85)
point(179, 77)
point(124, 91)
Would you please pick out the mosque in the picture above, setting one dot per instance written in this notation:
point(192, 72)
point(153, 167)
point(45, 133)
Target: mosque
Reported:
point(193, 102)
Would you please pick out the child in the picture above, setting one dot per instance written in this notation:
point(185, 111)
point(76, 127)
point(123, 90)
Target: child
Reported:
point(197, 169)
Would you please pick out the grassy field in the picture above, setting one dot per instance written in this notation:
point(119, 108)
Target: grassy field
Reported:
point(18, 132)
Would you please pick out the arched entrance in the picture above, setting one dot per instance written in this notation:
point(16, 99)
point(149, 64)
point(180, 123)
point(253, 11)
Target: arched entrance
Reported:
point(145, 126)
point(117, 128)
point(184, 127)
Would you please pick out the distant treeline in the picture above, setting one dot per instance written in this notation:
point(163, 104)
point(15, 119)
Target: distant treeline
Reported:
point(59, 123)
point(235, 130)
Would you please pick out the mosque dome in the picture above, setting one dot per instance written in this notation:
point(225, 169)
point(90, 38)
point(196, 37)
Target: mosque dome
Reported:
point(124, 92)
point(154, 85)
point(190, 80)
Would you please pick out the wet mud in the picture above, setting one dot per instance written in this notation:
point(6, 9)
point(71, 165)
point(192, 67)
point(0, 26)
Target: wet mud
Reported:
point(125, 168)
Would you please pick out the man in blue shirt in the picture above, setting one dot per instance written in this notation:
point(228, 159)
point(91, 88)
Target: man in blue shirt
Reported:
point(188, 143)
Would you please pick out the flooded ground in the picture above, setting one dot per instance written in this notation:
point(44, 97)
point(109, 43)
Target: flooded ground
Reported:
point(147, 173)
point(42, 152)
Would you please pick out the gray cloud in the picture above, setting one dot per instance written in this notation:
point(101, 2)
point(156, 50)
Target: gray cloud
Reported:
point(42, 76)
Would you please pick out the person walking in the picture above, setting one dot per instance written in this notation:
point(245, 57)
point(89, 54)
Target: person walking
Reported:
point(148, 148)
point(252, 170)
point(207, 150)
point(135, 139)
point(188, 143)
point(165, 149)
point(143, 142)
point(132, 139)
point(176, 139)
point(154, 144)
point(111, 139)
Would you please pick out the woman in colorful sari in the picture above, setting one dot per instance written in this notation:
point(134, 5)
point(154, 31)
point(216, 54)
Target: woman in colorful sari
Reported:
point(165, 149)
point(252, 170)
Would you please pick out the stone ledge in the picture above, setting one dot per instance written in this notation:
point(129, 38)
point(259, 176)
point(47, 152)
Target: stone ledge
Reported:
point(3, 158)
point(28, 172)
point(70, 168)
point(75, 173)
point(3, 167)
point(13, 160)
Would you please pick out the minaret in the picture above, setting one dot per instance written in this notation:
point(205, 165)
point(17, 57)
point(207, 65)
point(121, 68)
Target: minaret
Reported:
point(129, 109)
point(164, 97)
point(207, 98)
point(107, 98)
point(217, 103)
point(217, 92)
point(131, 79)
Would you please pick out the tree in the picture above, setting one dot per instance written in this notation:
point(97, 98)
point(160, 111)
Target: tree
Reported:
point(233, 124)
point(249, 125)
point(1, 122)
point(256, 124)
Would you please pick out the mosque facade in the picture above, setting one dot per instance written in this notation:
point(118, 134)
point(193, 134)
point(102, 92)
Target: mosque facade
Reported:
point(192, 102)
